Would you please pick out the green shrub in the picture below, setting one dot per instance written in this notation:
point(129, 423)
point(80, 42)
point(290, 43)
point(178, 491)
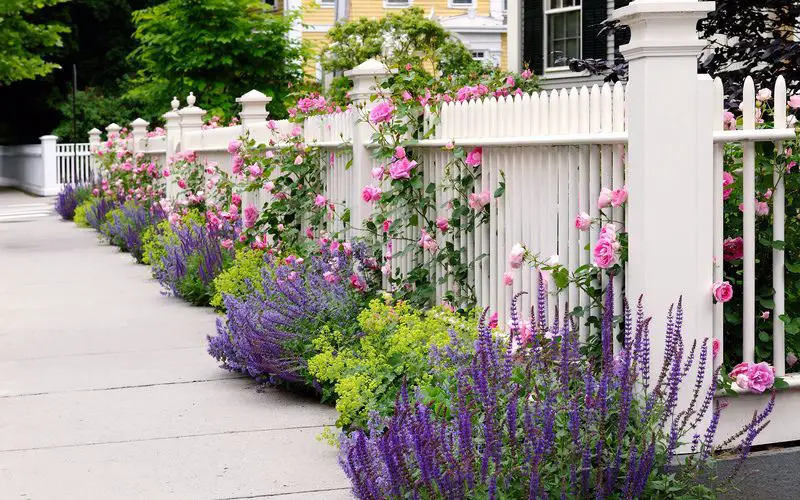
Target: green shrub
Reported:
point(80, 213)
point(243, 277)
point(367, 371)
point(155, 238)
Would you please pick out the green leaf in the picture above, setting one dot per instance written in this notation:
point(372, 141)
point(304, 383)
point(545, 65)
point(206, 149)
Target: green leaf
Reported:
point(780, 383)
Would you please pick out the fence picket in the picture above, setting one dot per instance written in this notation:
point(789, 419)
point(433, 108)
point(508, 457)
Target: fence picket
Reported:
point(749, 221)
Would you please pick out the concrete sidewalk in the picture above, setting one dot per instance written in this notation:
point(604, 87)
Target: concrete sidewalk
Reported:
point(107, 392)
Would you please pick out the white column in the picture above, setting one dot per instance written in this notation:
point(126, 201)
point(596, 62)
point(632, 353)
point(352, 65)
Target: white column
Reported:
point(670, 218)
point(172, 126)
point(514, 35)
point(112, 130)
point(139, 131)
point(496, 9)
point(48, 183)
point(367, 78)
point(254, 108)
point(94, 145)
point(191, 120)
point(291, 6)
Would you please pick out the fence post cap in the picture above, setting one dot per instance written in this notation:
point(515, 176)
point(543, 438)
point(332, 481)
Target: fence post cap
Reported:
point(95, 131)
point(48, 138)
point(113, 127)
point(175, 103)
point(253, 96)
point(140, 122)
point(191, 99)
point(370, 67)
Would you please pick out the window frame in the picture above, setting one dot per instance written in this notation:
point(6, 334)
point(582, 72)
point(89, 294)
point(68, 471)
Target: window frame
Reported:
point(452, 4)
point(396, 5)
point(326, 4)
point(547, 12)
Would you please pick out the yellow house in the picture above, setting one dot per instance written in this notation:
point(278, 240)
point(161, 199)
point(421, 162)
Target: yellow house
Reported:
point(479, 24)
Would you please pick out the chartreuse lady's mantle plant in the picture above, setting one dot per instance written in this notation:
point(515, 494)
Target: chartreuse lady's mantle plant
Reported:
point(533, 417)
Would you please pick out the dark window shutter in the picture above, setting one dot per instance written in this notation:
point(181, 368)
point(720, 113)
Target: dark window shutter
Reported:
point(622, 36)
point(533, 35)
point(594, 44)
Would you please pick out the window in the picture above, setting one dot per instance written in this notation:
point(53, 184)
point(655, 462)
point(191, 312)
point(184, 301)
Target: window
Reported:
point(461, 4)
point(326, 3)
point(478, 55)
point(562, 31)
point(396, 3)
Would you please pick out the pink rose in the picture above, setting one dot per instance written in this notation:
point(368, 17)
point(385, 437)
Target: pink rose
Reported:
point(727, 180)
point(753, 377)
point(526, 74)
point(165, 172)
point(329, 277)
point(378, 172)
point(254, 170)
point(401, 169)
point(510, 81)
point(249, 216)
point(309, 233)
point(407, 96)
point(794, 101)
point(619, 196)
point(381, 113)
point(765, 315)
point(604, 200)
point(583, 221)
point(479, 200)
point(474, 157)
point(371, 193)
point(493, 320)
point(357, 282)
point(427, 242)
point(320, 200)
point(605, 253)
point(722, 291)
point(181, 183)
point(733, 248)
point(762, 208)
point(442, 224)
point(227, 243)
point(296, 131)
point(386, 225)
point(764, 95)
point(269, 186)
point(236, 199)
point(715, 344)
point(508, 278)
point(609, 232)
point(298, 160)
point(234, 146)
point(272, 125)
point(236, 164)
point(516, 256)
point(348, 248)
point(399, 152)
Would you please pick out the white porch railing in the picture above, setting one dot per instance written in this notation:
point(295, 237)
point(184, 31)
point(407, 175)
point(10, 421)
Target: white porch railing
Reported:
point(74, 163)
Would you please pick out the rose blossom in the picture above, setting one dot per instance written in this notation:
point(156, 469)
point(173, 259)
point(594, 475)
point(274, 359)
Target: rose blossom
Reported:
point(357, 282)
point(493, 320)
point(427, 242)
point(399, 152)
point(236, 199)
point(722, 291)
point(228, 243)
point(727, 180)
point(583, 221)
point(320, 200)
point(764, 95)
point(753, 377)
point(371, 193)
point(298, 160)
point(728, 121)
point(474, 157)
point(526, 74)
point(733, 248)
point(249, 216)
point(508, 278)
point(234, 146)
point(269, 186)
point(604, 200)
point(181, 183)
point(401, 169)
point(442, 224)
point(619, 196)
point(762, 208)
point(407, 96)
point(516, 256)
point(386, 225)
point(765, 315)
point(479, 200)
point(378, 172)
point(329, 277)
point(605, 253)
point(381, 113)
point(715, 344)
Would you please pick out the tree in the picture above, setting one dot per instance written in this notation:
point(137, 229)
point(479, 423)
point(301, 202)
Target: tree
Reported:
point(24, 41)
point(756, 38)
point(397, 39)
point(218, 49)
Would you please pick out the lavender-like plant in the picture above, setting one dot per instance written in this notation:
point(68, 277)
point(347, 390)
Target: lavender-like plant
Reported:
point(534, 417)
point(268, 333)
point(69, 198)
point(97, 211)
point(128, 224)
point(191, 263)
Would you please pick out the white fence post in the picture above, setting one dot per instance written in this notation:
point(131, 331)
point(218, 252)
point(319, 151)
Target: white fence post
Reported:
point(367, 78)
point(254, 108)
point(112, 130)
point(191, 119)
point(670, 169)
point(49, 179)
point(94, 146)
point(172, 126)
point(139, 131)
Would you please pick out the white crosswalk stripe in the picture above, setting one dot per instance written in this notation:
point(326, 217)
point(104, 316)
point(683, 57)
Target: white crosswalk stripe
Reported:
point(26, 211)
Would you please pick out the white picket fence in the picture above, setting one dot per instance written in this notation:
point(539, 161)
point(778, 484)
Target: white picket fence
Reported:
point(662, 136)
point(74, 163)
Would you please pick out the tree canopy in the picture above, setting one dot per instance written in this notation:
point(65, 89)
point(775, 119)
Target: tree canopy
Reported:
point(397, 39)
point(218, 49)
point(25, 40)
